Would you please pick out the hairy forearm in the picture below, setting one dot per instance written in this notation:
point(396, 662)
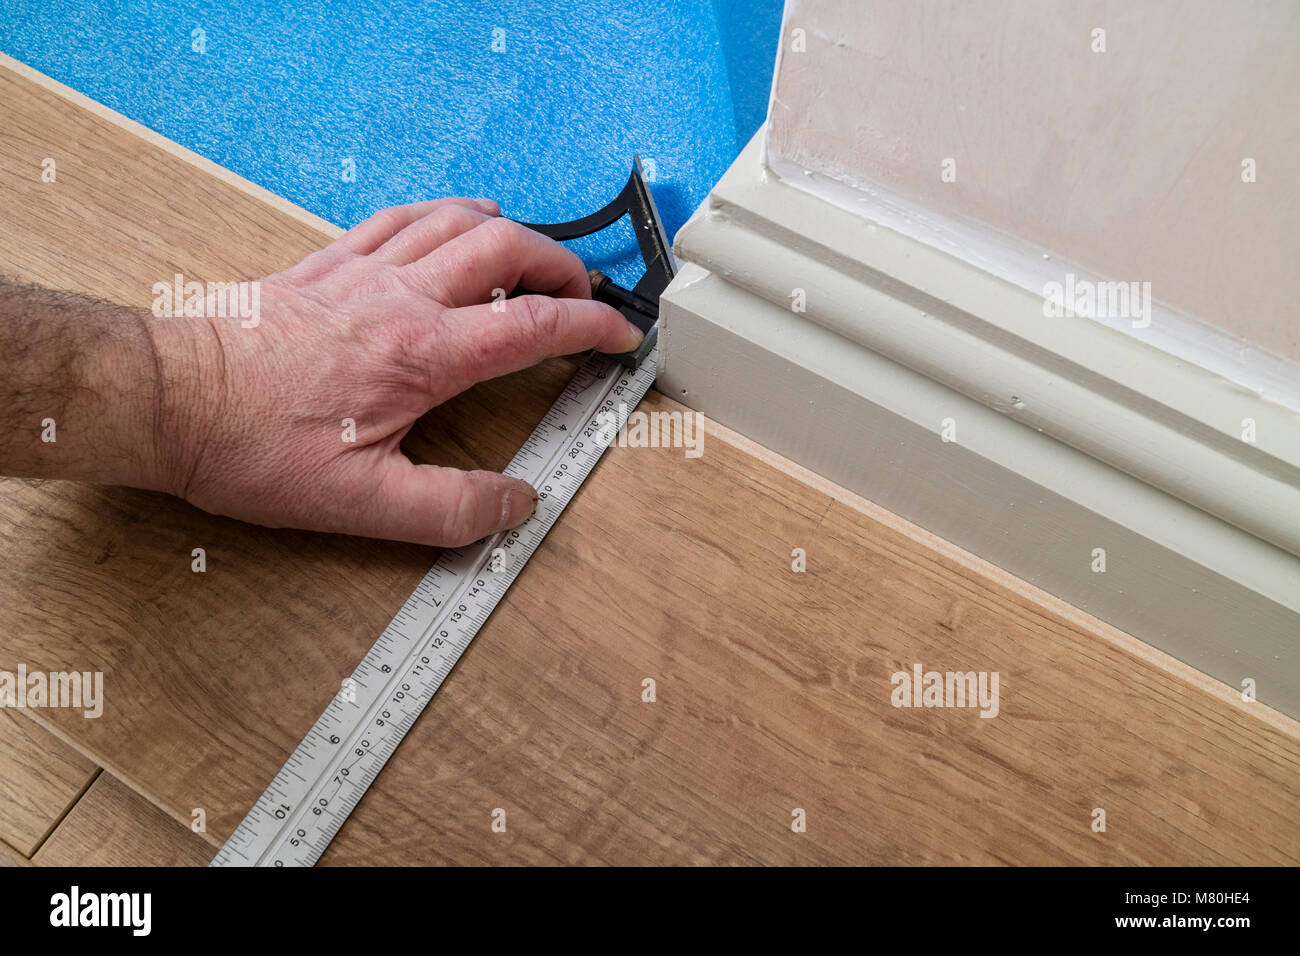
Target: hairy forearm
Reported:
point(79, 389)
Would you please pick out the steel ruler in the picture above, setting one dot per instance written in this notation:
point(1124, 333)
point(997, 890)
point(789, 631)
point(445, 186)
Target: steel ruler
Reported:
point(323, 780)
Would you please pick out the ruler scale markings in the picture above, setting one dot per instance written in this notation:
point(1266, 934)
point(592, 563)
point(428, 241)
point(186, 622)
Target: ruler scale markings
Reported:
point(292, 824)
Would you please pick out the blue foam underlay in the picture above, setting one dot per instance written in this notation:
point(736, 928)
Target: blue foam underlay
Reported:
point(413, 92)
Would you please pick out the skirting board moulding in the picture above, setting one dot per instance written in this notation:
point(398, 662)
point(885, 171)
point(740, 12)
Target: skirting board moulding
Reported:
point(1104, 471)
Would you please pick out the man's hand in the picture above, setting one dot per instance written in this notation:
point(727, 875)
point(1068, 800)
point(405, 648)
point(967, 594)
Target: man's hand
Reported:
point(296, 421)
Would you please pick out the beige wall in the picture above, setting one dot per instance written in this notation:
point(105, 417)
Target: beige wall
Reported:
point(1127, 162)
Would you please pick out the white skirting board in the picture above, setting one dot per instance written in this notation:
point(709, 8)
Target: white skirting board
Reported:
point(1057, 451)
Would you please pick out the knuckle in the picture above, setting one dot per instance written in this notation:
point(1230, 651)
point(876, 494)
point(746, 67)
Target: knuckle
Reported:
point(575, 261)
point(453, 218)
point(388, 219)
point(316, 266)
point(542, 316)
point(458, 524)
point(363, 288)
point(507, 236)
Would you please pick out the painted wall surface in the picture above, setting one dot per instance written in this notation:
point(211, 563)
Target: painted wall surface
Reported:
point(1128, 154)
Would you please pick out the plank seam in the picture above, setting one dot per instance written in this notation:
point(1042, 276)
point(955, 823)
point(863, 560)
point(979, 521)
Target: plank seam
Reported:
point(66, 810)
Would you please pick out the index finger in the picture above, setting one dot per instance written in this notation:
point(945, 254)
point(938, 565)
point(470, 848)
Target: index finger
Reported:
point(496, 257)
point(483, 342)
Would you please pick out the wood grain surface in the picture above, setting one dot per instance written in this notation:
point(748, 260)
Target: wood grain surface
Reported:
point(9, 857)
point(113, 825)
point(40, 778)
point(772, 687)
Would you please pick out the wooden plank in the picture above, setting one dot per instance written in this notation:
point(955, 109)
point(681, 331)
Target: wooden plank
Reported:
point(774, 693)
point(183, 653)
point(40, 778)
point(773, 687)
point(11, 857)
point(113, 825)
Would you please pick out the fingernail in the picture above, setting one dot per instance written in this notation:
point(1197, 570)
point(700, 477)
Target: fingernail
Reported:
point(516, 507)
point(636, 338)
point(489, 206)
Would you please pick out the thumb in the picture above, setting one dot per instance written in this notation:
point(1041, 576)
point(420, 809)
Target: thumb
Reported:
point(447, 507)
